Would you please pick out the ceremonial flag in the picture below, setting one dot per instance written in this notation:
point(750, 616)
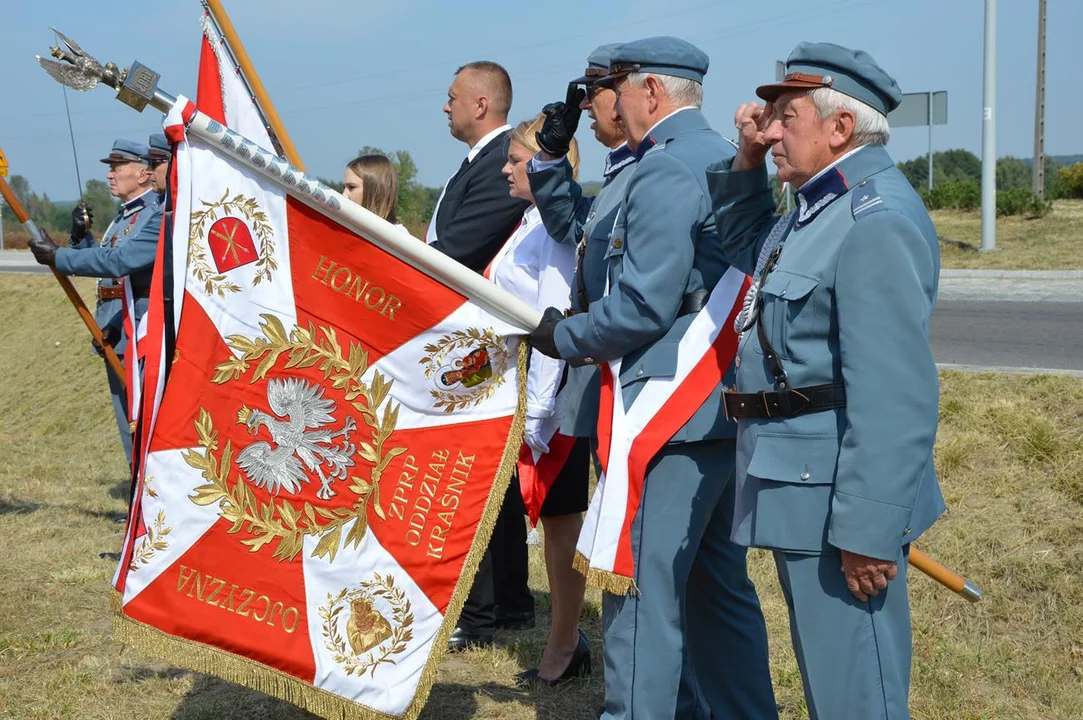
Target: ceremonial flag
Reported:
point(335, 434)
point(220, 94)
point(628, 438)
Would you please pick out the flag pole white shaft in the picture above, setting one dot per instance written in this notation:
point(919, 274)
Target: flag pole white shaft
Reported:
point(336, 206)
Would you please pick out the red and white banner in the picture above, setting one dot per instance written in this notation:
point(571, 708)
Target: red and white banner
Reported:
point(628, 438)
point(329, 453)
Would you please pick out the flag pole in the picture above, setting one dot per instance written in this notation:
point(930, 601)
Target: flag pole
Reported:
point(321, 198)
point(111, 359)
point(951, 580)
point(138, 88)
point(251, 78)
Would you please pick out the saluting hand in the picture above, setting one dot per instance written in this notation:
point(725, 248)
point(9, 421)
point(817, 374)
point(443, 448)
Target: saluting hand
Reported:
point(751, 120)
point(867, 576)
point(561, 122)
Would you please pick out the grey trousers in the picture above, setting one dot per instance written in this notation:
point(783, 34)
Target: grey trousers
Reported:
point(854, 656)
point(697, 612)
point(120, 411)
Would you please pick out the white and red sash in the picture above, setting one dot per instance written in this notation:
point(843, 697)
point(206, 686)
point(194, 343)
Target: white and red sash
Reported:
point(628, 438)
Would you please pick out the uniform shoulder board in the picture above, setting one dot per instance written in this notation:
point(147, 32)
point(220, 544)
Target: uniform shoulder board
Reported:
point(865, 199)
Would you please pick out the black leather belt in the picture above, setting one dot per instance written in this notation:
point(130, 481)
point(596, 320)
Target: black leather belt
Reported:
point(785, 403)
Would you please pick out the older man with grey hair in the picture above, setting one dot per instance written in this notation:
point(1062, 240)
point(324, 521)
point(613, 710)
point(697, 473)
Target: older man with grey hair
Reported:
point(836, 397)
point(687, 593)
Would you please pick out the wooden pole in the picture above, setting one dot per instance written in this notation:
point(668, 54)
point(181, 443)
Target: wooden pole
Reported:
point(252, 78)
point(111, 359)
point(956, 583)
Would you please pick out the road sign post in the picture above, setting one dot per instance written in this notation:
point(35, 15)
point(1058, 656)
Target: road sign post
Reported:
point(922, 108)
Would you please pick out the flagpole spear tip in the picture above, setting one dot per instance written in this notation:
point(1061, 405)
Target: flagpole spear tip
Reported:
point(136, 86)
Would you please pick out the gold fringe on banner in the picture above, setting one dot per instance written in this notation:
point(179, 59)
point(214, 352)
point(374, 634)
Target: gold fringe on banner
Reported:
point(253, 674)
point(243, 671)
point(481, 538)
point(604, 580)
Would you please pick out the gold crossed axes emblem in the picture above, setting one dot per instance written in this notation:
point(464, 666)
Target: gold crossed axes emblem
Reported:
point(231, 242)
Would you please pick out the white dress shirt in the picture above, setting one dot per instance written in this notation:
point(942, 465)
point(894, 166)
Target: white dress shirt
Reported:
point(430, 234)
point(538, 270)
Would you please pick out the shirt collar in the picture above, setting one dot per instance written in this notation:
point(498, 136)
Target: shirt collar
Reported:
point(618, 158)
point(485, 140)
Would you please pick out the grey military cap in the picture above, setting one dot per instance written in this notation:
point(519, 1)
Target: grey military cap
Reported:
point(851, 72)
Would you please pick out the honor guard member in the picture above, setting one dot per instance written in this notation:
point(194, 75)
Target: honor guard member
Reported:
point(571, 217)
point(662, 254)
point(158, 153)
point(836, 397)
point(127, 248)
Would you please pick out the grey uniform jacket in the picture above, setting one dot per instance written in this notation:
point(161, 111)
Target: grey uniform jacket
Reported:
point(569, 217)
point(128, 247)
point(850, 302)
point(663, 246)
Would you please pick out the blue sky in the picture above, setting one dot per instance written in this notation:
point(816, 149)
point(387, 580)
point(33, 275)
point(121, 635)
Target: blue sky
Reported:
point(345, 74)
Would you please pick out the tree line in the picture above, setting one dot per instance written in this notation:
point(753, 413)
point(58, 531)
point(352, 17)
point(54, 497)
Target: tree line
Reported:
point(956, 185)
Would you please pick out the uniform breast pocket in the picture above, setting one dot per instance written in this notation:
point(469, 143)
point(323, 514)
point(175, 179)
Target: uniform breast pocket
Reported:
point(790, 314)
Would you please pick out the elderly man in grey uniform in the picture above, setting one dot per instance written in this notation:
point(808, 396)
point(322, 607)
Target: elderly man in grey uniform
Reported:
point(836, 396)
point(127, 248)
point(663, 258)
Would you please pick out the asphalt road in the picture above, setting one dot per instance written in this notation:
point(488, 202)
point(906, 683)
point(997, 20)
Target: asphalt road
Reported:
point(993, 332)
point(1009, 334)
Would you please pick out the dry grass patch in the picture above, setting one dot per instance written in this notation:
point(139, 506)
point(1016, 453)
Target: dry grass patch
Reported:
point(1010, 454)
point(1054, 242)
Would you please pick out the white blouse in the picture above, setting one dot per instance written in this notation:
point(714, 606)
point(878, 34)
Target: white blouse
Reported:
point(538, 270)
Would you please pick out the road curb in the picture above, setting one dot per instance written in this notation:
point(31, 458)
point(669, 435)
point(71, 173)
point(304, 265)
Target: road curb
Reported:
point(1014, 274)
point(1007, 370)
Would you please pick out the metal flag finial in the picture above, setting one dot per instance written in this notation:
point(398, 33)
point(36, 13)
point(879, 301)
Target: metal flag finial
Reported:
point(135, 86)
point(82, 71)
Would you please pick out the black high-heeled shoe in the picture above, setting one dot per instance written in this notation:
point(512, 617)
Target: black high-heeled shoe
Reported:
point(578, 667)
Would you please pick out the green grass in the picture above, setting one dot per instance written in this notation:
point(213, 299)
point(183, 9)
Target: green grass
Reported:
point(1010, 454)
point(1054, 242)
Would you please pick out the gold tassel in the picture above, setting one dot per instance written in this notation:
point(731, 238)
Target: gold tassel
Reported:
point(604, 580)
point(243, 671)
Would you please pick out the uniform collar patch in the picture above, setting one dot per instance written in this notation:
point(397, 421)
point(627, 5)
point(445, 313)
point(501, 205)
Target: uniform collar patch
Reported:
point(618, 159)
point(817, 194)
point(133, 206)
point(647, 144)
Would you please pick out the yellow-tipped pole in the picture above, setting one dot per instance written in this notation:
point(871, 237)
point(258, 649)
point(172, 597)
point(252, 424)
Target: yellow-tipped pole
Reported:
point(949, 579)
point(252, 77)
point(111, 359)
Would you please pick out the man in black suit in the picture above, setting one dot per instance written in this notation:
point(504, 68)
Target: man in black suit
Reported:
point(475, 215)
point(473, 219)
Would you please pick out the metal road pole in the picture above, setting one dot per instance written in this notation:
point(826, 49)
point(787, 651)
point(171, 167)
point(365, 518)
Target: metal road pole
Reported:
point(988, 133)
point(930, 117)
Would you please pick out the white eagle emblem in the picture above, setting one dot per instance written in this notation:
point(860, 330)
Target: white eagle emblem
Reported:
point(299, 441)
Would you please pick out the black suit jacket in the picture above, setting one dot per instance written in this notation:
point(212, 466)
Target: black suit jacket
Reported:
point(476, 215)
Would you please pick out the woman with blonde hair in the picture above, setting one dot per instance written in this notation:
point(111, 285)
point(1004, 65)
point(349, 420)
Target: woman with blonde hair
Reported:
point(553, 469)
point(372, 183)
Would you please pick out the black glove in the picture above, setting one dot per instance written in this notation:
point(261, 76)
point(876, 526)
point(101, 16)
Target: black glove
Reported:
point(43, 248)
point(82, 217)
point(110, 335)
point(542, 337)
point(561, 120)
